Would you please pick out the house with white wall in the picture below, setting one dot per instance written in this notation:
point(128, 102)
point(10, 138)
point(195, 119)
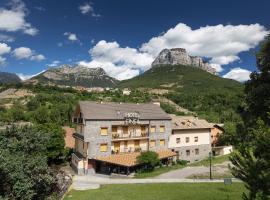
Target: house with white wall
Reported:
point(190, 138)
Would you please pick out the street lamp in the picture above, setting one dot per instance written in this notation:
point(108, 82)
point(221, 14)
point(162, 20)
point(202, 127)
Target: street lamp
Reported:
point(210, 159)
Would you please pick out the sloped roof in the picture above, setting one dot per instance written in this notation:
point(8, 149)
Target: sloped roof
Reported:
point(130, 159)
point(189, 122)
point(117, 111)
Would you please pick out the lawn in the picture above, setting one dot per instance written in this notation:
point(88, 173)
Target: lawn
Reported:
point(165, 191)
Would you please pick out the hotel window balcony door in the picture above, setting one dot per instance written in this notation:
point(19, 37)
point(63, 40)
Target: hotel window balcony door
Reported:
point(116, 147)
point(162, 143)
point(162, 129)
point(152, 143)
point(137, 145)
point(153, 129)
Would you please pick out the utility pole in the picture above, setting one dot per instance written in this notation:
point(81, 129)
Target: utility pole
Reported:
point(210, 159)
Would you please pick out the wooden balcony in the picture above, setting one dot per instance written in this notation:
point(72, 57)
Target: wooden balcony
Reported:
point(129, 136)
point(128, 150)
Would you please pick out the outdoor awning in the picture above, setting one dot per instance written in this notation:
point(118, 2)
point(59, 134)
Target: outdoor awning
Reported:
point(130, 159)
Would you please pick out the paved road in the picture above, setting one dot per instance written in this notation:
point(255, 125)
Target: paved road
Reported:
point(189, 171)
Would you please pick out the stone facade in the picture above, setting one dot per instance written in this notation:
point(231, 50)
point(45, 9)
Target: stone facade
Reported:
point(192, 157)
point(179, 56)
point(89, 139)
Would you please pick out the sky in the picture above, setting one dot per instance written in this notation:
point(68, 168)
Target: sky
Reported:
point(124, 36)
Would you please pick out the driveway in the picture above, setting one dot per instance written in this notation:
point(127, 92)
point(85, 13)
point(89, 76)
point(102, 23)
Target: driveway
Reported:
point(189, 171)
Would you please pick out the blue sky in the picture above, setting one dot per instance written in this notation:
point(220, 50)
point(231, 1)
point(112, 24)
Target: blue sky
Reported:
point(124, 36)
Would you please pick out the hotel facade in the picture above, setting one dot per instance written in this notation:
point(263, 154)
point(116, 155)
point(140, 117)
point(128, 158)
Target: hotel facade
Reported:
point(110, 136)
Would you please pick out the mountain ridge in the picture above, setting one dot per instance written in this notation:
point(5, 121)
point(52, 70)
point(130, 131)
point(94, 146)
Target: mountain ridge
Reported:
point(6, 77)
point(77, 75)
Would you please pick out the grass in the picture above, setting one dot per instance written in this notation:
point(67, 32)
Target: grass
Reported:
point(165, 191)
point(215, 160)
point(158, 171)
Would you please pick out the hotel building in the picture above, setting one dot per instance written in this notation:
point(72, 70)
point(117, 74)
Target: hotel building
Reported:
point(110, 136)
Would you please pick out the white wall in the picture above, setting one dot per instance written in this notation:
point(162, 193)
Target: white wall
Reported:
point(202, 134)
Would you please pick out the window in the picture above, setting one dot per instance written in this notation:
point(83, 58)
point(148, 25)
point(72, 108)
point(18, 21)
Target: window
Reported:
point(162, 143)
point(125, 130)
point(153, 129)
point(152, 143)
point(188, 152)
point(114, 129)
point(187, 139)
point(196, 151)
point(104, 131)
point(103, 147)
point(137, 143)
point(196, 139)
point(162, 129)
point(178, 140)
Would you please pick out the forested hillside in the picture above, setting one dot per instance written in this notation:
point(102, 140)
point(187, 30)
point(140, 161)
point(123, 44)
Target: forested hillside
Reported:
point(211, 97)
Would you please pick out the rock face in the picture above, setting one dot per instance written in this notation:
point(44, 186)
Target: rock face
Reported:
point(179, 56)
point(76, 76)
point(6, 77)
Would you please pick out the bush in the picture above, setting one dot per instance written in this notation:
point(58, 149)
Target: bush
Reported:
point(149, 159)
point(182, 162)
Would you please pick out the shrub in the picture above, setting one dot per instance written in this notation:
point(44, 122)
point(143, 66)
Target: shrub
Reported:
point(149, 159)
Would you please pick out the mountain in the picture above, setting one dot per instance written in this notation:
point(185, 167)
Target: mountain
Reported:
point(179, 56)
point(6, 77)
point(210, 96)
point(76, 76)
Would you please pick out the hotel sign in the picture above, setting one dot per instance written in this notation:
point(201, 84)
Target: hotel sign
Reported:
point(132, 118)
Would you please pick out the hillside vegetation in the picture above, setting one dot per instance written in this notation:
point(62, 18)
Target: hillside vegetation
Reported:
point(210, 96)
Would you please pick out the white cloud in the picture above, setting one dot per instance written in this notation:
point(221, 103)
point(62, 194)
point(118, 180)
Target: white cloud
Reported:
point(6, 38)
point(22, 52)
point(54, 63)
point(4, 48)
point(2, 61)
point(38, 57)
point(71, 36)
point(13, 19)
point(238, 74)
point(27, 53)
point(220, 44)
point(28, 76)
point(121, 63)
point(87, 8)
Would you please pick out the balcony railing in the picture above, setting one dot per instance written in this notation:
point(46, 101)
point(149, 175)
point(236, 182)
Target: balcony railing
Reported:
point(128, 150)
point(128, 135)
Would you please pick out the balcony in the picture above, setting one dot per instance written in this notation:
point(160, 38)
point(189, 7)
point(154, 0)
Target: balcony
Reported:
point(126, 135)
point(128, 150)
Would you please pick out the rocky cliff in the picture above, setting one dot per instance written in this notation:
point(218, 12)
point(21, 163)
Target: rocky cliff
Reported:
point(76, 76)
point(6, 77)
point(179, 56)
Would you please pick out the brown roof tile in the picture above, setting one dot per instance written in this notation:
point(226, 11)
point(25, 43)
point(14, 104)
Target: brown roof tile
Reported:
point(189, 122)
point(130, 159)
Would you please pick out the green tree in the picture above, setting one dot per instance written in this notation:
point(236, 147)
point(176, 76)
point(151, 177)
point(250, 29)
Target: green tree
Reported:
point(149, 159)
point(24, 173)
point(55, 143)
point(252, 159)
